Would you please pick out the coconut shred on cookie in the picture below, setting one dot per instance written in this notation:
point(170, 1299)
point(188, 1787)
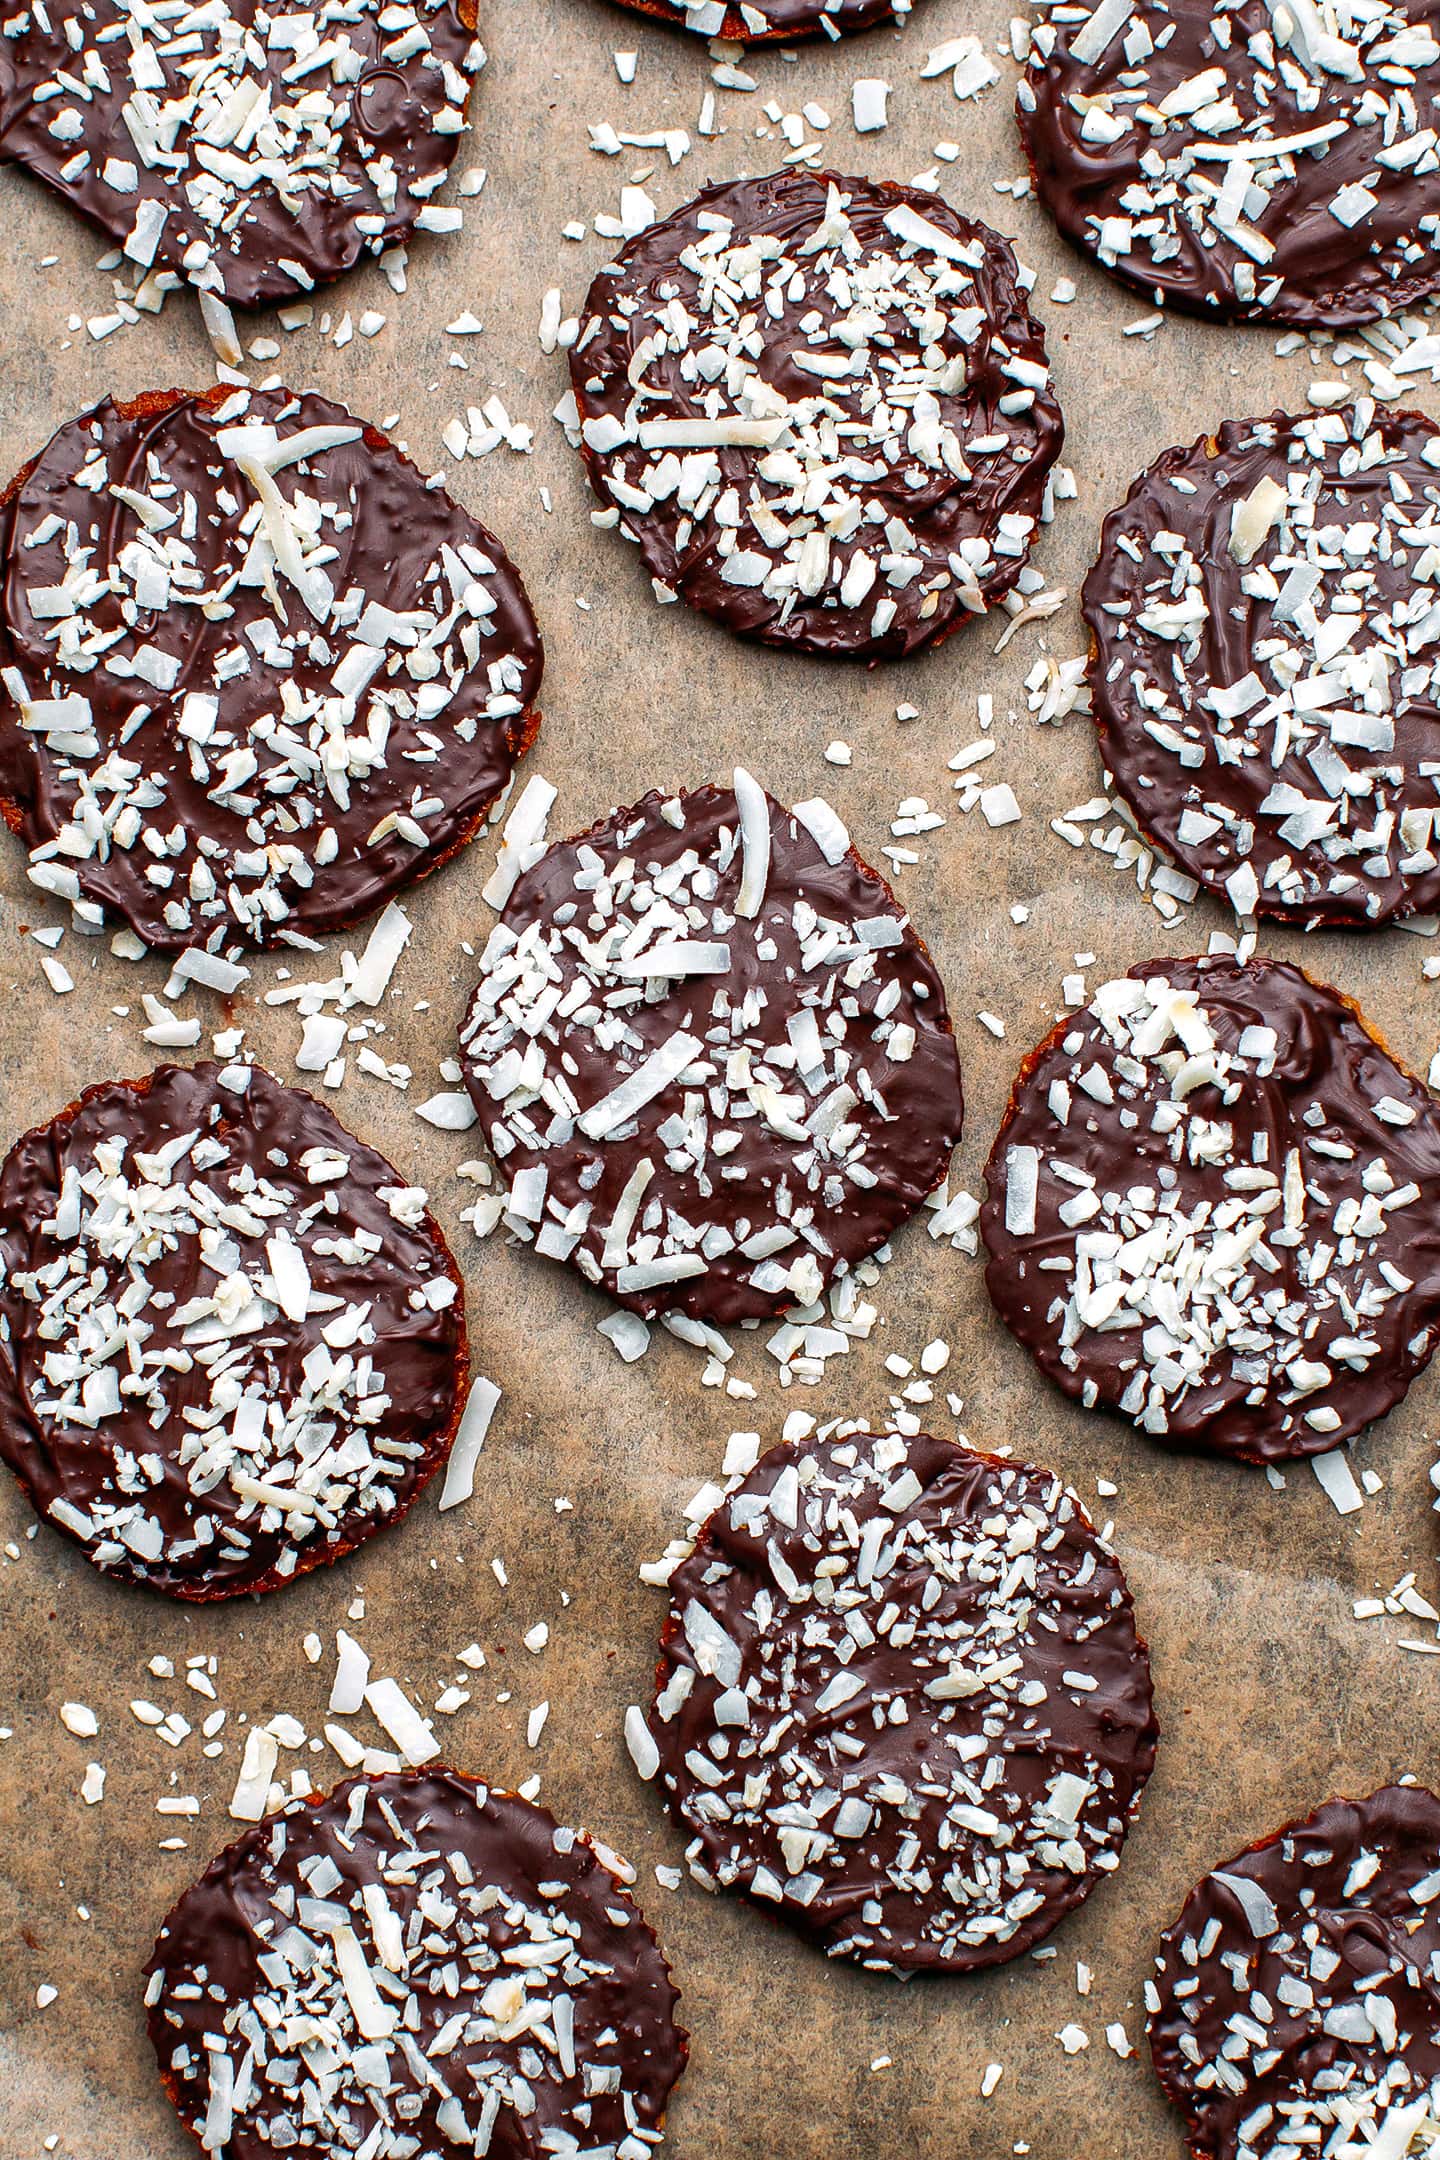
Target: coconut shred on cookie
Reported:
point(255, 676)
point(821, 408)
point(711, 1056)
point(1271, 159)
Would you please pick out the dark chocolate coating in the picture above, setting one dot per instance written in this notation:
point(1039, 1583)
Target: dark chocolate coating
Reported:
point(1219, 1984)
point(989, 1561)
point(362, 166)
point(785, 18)
point(881, 477)
point(256, 845)
point(1218, 767)
point(419, 1353)
point(1322, 272)
point(454, 1841)
point(905, 1138)
point(1281, 1354)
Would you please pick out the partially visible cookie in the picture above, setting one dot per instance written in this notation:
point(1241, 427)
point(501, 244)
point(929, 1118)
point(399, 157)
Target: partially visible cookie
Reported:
point(1265, 162)
point(821, 408)
point(901, 1701)
point(256, 675)
point(232, 1339)
point(256, 153)
point(1296, 2001)
point(758, 22)
point(711, 1056)
point(1265, 673)
point(1214, 1206)
point(414, 1965)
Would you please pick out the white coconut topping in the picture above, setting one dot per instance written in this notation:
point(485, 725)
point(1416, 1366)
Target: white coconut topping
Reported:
point(298, 1459)
point(871, 1600)
point(831, 504)
point(785, 1027)
point(1301, 754)
point(389, 1974)
point(1216, 160)
point(1247, 1259)
point(240, 126)
point(329, 698)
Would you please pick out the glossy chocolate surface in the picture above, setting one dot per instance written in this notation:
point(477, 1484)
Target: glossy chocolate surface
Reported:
point(901, 1701)
point(418, 1953)
point(232, 1340)
point(801, 1085)
point(256, 152)
point(255, 675)
point(853, 403)
point(1297, 1997)
point(1214, 1205)
point(1148, 129)
point(1263, 675)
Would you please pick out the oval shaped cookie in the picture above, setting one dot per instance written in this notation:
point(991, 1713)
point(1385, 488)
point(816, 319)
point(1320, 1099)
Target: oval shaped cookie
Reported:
point(413, 1964)
point(1214, 1206)
point(901, 1699)
point(255, 675)
point(232, 1339)
point(1263, 670)
point(711, 1057)
point(254, 153)
point(1269, 162)
point(821, 409)
point(1295, 2005)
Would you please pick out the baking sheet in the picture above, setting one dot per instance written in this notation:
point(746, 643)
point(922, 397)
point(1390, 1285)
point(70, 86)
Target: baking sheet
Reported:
point(1270, 1693)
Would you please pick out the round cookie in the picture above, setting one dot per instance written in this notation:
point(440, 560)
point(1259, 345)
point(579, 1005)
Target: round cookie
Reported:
point(1212, 1207)
point(255, 675)
point(710, 1055)
point(232, 1339)
point(411, 1965)
point(1263, 673)
point(255, 154)
point(902, 1701)
point(759, 22)
point(1258, 162)
point(821, 409)
point(1295, 2004)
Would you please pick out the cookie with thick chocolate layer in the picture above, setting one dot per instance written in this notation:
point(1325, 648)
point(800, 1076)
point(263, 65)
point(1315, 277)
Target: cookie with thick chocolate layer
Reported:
point(255, 153)
point(256, 675)
point(901, 1699)
point(821, 409)
point(1296, 2000)
point(711, 1056)
point(232, 1338)
point(1263, 670)
point(414, 1963)
point(1261, 163)
point(1214, 1206)
point(760, 22)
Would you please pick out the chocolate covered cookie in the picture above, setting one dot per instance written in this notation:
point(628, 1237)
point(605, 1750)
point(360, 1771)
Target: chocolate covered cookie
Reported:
point(711, 1056)
point(1263, 162)
point(255, 152)
point(758, 22)
point(1264, 615)
point(255, 674)
point(1214, 1206)
point(232, 1339)
point(1296, 2001)
point(901, 1699)
point(414, 1965)
point(821, 409)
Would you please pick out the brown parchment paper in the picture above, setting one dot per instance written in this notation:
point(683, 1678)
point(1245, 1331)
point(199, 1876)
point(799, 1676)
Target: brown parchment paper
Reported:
point(1270, 1694)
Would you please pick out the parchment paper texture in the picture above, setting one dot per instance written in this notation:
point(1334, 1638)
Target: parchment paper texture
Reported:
point(1271, 1694)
